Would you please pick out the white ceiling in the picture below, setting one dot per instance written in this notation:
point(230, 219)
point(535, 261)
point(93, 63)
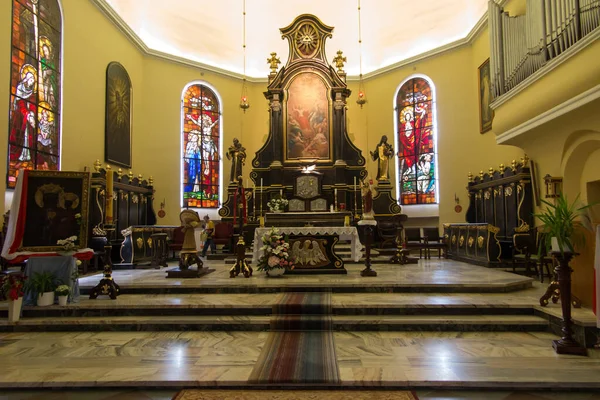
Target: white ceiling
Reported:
point(211, 32)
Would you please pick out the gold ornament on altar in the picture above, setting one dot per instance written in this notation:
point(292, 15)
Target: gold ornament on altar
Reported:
point(150, 181)
point(524, 160)
point(97, 165)
point(491, 171)
point(140, 178)
point(339, 61)
point(273, 61)
point(513, 165)
point(470, 177)
point(119, 174)
point(130, 176)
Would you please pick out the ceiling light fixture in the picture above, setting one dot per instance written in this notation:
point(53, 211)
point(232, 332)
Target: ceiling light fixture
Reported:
point(244, 104)
point(362, 97)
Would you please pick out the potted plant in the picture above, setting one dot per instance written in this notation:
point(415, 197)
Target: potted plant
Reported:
point(62, 291)
point(276, 257)
point(11, 288)
point(563, 224)
point(43, 284)
point(277, 204)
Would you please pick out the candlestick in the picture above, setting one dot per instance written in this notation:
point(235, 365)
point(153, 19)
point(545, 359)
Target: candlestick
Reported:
point(253, 202)
point(335, 199)
point(280, 192)
point(109, 195)
point(261, 198)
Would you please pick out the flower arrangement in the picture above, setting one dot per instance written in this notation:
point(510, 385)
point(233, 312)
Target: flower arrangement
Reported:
point(277, 204)
point(11, 286)
point(62, 290)
point(68, 243)
point(275, 252)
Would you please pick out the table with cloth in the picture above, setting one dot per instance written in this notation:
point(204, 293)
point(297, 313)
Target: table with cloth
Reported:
point(64, 270)
point(318, 232)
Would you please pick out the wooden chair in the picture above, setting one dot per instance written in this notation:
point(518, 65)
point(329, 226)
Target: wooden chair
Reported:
point(414, 240)
point(433, 240)
point(224, 235)
point(388, 232)
point(524, 252)
point(176, 241)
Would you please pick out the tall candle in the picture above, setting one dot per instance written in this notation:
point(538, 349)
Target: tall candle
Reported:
point(261, 185)
point(109, 195)
point(280, 192)
point(355, 184)
point(335, 198)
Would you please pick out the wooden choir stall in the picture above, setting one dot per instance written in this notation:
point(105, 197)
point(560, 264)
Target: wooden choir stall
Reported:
point(501, 203)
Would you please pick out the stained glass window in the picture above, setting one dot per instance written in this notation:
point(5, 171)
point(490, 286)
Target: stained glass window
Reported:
point(201, 138)
point(416, 142)
point(35, 89)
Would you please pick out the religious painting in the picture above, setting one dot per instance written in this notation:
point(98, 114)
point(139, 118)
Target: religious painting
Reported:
point(201, 142)
point(56, 208)
point(117, 136)
point(35, 104)
point(307, 134)
point(417, 153)
point(486, 114)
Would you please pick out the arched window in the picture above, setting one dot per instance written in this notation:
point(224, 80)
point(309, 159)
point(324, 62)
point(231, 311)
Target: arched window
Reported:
point(415, 141)
point(201, 123)
point(35, 87)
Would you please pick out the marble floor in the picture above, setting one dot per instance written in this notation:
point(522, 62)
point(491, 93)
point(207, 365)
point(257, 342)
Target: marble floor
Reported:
point(420, 360)
point(438, 365)
point(428, 273)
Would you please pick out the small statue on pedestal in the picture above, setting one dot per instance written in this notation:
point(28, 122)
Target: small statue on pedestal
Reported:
point(367, 200)
point(383, 152)
point(237, 154)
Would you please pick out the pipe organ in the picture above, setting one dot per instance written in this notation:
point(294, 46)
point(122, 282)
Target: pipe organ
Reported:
point(520, 45)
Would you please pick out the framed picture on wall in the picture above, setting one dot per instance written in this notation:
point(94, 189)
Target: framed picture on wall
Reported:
point(119, 94)
point(55, 208)
point(486, 114)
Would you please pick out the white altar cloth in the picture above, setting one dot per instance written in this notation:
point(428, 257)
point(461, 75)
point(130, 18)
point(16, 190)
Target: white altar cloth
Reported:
point(344, 233)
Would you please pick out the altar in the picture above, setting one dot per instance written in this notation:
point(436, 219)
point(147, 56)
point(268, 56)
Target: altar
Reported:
point(314, 247)
point(317, 218)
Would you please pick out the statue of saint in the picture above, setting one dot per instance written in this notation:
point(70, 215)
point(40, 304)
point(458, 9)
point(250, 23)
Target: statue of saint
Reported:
point(367, 198)
point(237, 155)
point(383, 152)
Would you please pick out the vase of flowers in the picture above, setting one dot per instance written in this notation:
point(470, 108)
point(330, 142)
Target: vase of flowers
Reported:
point(277, 204)
point(68, 244)
point(276, 257)
point(62, 292)
point(11, 288)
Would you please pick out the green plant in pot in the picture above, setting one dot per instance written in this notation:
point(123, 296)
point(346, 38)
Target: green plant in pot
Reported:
point(43, 284)
point(563, 225)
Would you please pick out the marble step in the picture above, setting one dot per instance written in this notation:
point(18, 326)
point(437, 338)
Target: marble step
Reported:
point(503, 323)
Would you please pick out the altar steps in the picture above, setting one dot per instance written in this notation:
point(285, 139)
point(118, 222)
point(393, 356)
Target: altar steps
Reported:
point(463, 323)
point(255, 313)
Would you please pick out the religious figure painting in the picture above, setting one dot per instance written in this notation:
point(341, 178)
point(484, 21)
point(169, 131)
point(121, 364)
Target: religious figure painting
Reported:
point(118, 115)
point(34, 120)
point(417, 179)
point(308, 134)
point(486, 114)
point(56, 208)
point(201, 138)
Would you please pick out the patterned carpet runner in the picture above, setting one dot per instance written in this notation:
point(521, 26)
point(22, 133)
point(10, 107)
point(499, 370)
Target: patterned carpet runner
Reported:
point(200, 394)
point(301, 348)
